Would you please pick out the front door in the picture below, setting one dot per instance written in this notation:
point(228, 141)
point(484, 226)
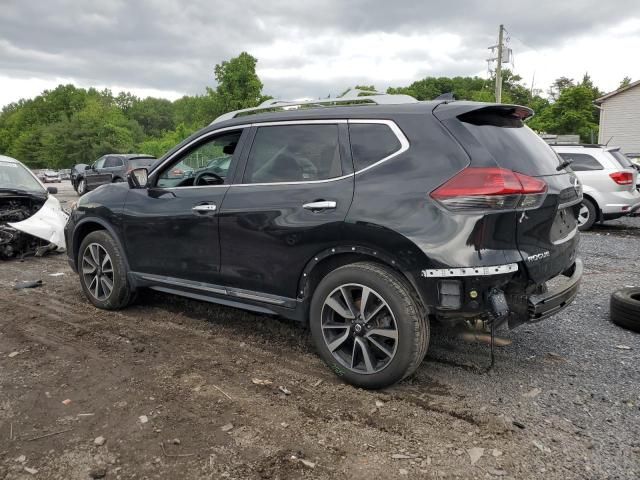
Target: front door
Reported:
point(96, 175)
point(171, 228)
point(289, 205)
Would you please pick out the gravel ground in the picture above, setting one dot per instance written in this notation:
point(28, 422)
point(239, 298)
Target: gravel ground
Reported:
point(562, 402)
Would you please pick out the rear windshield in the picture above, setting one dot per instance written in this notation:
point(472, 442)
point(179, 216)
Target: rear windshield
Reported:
point(141, 162)
point(511, 143)
point(621, 158)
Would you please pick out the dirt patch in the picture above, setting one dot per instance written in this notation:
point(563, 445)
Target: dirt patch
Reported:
point(168, 384)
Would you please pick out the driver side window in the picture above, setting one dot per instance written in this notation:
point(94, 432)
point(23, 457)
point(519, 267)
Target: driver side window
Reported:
point(207, 163)
point(99, 163)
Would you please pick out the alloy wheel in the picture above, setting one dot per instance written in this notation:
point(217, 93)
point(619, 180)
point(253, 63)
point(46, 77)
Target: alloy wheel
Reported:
point(97, 270)
point(583, 215)
point(359, 328)
point(81, 186)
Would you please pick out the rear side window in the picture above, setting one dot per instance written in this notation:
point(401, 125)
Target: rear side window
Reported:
point(370, 143)
point(140, 162)
point(294, 153)
point(112, 162)
point(621, 158)
point(581, 162)
point(510, 142)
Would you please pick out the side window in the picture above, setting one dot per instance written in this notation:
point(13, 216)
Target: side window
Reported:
point(207, 163)
point(370, 143)
point(100, 162)
point(581, 162)
point(294, 153)
point(621, 158)
point(111, 162)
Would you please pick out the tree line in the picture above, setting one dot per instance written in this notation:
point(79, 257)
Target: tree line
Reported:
point(69, 125)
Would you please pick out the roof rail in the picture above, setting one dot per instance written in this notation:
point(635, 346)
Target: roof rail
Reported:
point(352, 97)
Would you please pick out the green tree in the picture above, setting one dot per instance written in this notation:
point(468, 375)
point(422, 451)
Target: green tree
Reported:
point(155, 115)
point(558, 85)
point(238, 83)
point(626, 81)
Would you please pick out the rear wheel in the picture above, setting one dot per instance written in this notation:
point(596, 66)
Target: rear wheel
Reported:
point(117, 180)
point(587, 215)
point(103, 272)
point(367, 326)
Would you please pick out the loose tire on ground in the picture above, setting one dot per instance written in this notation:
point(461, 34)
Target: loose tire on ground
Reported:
point(625, 308)
point(399, 309)
point(121, 293)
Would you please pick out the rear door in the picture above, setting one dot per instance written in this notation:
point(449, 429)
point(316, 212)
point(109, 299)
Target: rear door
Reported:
point(586, 167)
point(294, 193)
point(98, 175)
point(113, 166)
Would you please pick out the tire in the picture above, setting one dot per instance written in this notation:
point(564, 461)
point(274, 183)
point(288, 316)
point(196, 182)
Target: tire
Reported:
point(117, 180)
point(624, 308)
point(95, 245)
point(390, 304)
point(81, 189)
point(587, 216)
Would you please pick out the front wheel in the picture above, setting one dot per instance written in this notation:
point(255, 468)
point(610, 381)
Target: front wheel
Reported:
point(103, 272)
point(367, 326)
point(82, 187)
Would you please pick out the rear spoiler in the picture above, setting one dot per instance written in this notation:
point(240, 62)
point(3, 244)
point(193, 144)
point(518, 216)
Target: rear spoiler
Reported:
point(482, 113)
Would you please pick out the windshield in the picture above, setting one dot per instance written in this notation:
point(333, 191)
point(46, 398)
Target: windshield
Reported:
point(15, 176)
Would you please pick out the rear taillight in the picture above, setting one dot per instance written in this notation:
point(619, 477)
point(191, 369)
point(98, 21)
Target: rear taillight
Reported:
point(488, 189)
point(622, 178)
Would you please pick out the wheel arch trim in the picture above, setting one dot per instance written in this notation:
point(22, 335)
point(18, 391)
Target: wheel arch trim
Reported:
point(375, 254)
point(105, 226)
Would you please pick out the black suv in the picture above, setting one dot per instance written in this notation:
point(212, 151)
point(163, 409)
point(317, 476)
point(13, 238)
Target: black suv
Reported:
point(110, 168)
point(367, 221)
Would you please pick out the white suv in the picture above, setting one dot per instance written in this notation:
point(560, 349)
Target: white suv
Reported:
point(608, 180)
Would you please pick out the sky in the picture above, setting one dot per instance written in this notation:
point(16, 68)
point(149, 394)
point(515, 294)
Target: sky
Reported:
point(307, 48)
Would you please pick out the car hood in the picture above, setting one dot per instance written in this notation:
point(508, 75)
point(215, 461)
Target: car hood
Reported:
point(47, 223)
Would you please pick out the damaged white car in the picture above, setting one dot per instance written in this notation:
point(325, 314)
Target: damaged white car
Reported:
point(31, 219)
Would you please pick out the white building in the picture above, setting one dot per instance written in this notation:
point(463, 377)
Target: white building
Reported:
point(620, 118)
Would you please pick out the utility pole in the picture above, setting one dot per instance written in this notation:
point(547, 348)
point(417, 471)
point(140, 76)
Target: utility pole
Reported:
point(499, 66)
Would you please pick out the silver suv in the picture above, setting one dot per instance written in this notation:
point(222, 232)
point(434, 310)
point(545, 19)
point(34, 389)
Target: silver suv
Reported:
point(609, 182)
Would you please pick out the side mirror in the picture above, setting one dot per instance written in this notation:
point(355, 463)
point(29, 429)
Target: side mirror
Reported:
point(88, 167)
point(138, 178)
point(52, 190)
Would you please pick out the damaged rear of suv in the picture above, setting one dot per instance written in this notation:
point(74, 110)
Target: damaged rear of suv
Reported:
point(31, 220)
point(366, 217)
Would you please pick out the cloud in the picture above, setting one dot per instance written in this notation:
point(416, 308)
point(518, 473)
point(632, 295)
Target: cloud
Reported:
point(305, 48)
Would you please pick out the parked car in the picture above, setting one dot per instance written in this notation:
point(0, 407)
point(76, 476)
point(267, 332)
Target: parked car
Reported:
point(609, 182)
point(31, 219)
point(49, 176)
point(111, 168)
point(365, 221)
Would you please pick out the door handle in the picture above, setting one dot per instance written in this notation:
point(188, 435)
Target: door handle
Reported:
point(208, 207)
point(320, 205)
